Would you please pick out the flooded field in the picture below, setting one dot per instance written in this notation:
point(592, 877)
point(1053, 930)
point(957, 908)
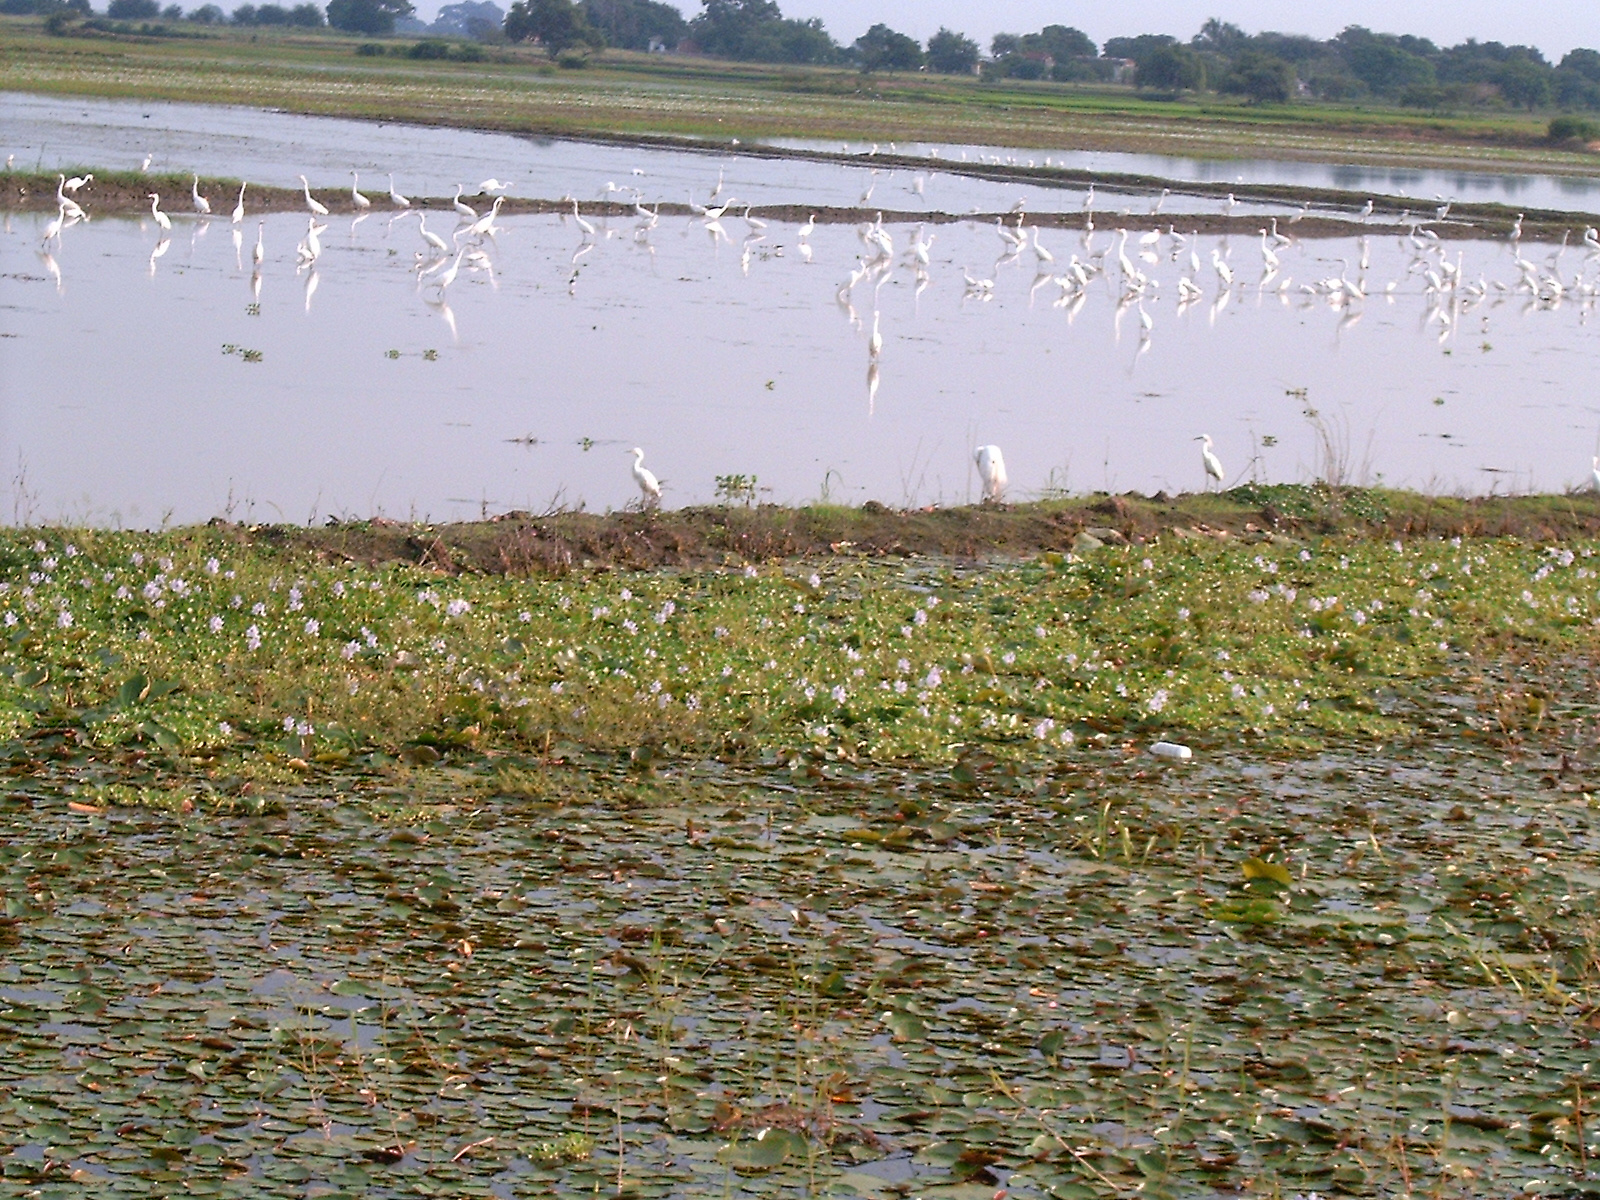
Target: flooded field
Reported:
point(1565, 193)
point(158, 375)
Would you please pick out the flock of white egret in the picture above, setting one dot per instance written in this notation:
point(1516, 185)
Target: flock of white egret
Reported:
point(1135, 269)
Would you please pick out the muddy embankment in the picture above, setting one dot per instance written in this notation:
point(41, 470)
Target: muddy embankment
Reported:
point(1330, 213)
point(519, 543)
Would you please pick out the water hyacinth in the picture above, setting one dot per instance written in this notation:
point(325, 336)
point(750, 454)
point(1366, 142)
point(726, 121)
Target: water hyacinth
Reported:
point(1269, 640)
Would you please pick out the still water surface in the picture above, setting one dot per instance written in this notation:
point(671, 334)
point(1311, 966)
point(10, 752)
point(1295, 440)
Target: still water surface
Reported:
point(525, 382)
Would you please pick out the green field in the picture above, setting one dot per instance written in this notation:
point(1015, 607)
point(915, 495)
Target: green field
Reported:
point(622, 94)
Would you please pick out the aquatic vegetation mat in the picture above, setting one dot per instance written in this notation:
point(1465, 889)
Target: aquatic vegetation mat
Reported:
point(850, 877)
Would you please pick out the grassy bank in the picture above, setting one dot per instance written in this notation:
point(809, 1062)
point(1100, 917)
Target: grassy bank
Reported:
point(519, 90)
point(823, 857)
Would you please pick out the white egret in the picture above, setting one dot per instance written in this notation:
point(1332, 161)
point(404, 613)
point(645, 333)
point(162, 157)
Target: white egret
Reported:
point(356, 198)
point(161, 217)
point(992, 470)
point(468, 213)
point(756, 223)
point(202, 206)
point(492, 187)
point(316, 206)
point(485, 224)
point(649, 485)
point(1211, 462)
point(395, 198)
point(145, 165)
point(1366, 210)
point(1229, 205)
point(1224, 272)
point(52, 231)
point(1039, 252)
point(78, 181)
point(260, 251)
point(65, 201)
point(811, 224)
point(584, 226)
point(433, 239)
point(449, 275)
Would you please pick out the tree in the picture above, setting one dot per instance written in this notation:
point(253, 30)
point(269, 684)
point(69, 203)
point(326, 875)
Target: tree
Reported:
point(1524, 83)
point(470, 18)
point(1061, 42)
point(307, 16)
point(207, 14)
point(756, 30)
point(951, 53)
point(133, 10)
point(172, 12)
point(1386, 64)
point(1220, 37)
point(556, 25)
point(1171, 68)
point(637, 24)
point(882, 49)
point(1583, 63)
point(1265, 78)
point(1137, 48)
point(367, 16)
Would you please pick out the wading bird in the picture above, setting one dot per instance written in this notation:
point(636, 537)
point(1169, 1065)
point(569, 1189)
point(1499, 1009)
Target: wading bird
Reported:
point(395, 198)
point(155, 211)
point(316, 206)
point(260, 251)
point(356, 197)
point(649, 485)
point(238, 209)
point(468, 213)
point(78, 181)
point(1210, 461)
point(433, 239)
point(992, 470)
point(202, 206)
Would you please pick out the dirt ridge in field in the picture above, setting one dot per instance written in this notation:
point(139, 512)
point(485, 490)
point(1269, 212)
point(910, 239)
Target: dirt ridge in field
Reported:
point(519, 543)
point(128, 194)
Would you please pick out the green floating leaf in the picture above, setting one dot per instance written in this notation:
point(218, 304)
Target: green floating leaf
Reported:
point(348, 987)
point(769, 1148)
point(1260, 868)
point(1050, 1044)
point(906, 1027)
point(134, 689)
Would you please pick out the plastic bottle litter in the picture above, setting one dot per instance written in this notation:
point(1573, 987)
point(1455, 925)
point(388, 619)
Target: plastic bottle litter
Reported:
point(1171, 750)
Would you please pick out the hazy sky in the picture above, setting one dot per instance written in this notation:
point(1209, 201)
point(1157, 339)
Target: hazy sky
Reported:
point(1555, 26)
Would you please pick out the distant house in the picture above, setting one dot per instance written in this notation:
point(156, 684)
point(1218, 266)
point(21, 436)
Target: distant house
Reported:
point(1124, 70)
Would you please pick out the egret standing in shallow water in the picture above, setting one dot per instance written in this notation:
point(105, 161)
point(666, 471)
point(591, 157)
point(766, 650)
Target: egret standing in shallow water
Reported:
point(992, 469)
point(649, 485)
point(356, 198)
point(202, 206)
point(1212, 463)
point(238, 209)
point(395, 198)
point(161, 217)
point(316, 206)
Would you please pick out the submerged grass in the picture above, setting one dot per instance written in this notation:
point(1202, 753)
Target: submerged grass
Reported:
point(824, 876)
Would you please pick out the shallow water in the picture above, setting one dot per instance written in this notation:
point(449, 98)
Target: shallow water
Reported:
point(529, 383)
point(1563, 193)
point(276, 148)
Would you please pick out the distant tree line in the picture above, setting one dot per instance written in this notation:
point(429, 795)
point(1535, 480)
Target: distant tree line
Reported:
point(1263, 67)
